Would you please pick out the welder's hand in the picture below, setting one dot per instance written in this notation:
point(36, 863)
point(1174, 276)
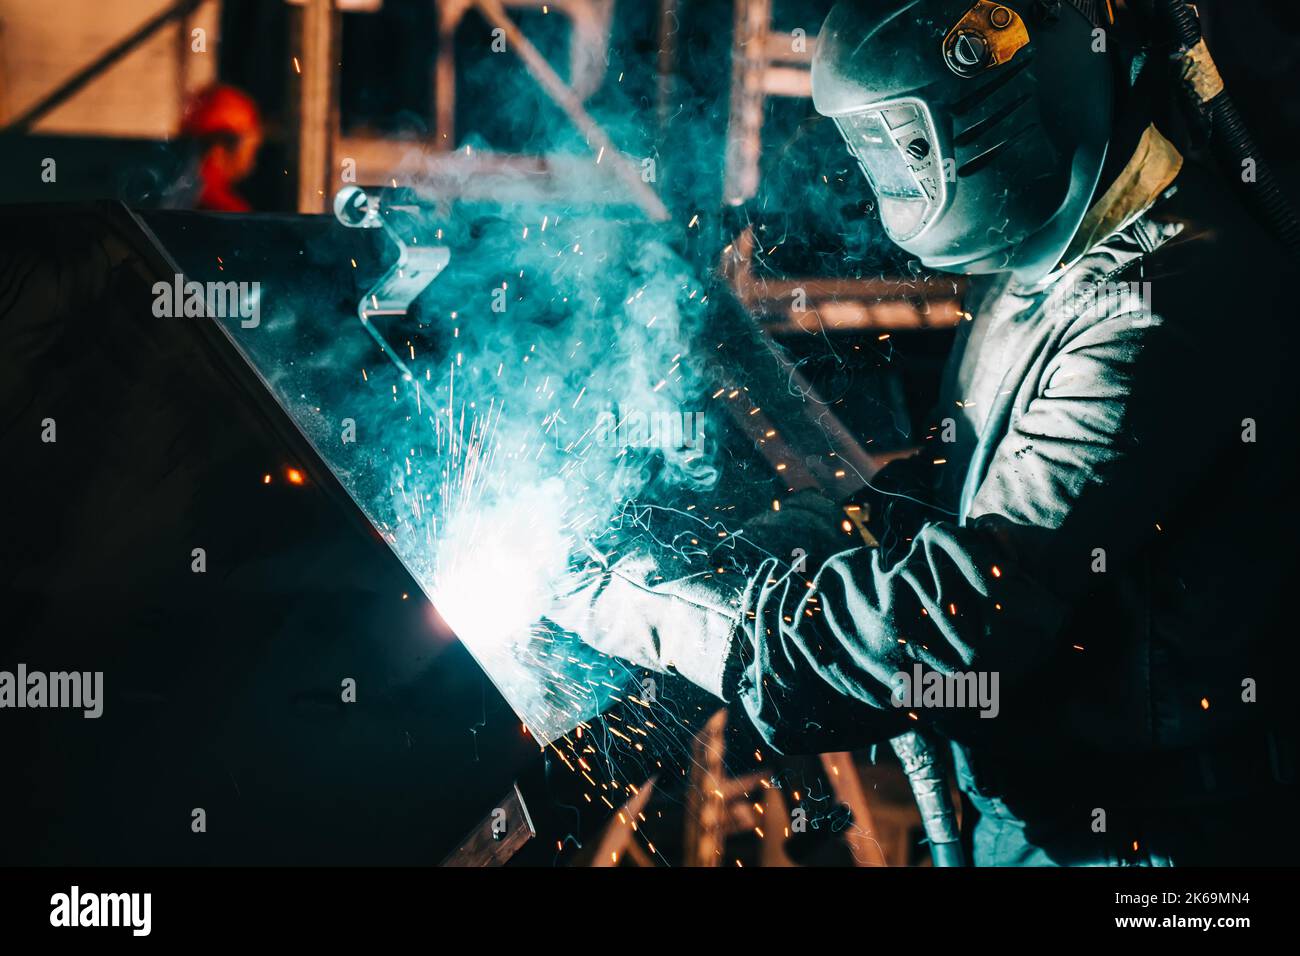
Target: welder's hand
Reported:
point(629, 611)
point(674, 602)
point(807, 531)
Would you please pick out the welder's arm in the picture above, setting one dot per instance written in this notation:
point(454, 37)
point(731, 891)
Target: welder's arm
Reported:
point(1099, 456)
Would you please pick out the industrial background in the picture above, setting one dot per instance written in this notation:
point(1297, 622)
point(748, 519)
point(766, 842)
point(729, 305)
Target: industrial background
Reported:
point(746, 182)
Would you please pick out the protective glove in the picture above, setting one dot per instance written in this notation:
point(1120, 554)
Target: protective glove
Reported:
point(672, 604)
point(686, 625)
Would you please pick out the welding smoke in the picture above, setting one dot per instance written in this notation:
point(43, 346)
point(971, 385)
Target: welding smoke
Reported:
point(484, 451)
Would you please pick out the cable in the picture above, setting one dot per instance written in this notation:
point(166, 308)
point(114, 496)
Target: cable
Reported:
point(1230, 138)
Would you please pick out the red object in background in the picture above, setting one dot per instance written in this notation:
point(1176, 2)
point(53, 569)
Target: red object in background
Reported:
point(228, 125)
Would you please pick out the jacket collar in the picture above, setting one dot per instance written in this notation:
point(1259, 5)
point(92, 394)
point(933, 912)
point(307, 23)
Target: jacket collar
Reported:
point(1150, 172)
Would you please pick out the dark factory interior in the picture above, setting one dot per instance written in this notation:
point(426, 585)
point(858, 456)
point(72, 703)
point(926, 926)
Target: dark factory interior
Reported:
point(304, 536)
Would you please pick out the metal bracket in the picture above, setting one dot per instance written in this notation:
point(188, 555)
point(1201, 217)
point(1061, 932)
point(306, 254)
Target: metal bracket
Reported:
point(498, 837)
point(416, 266)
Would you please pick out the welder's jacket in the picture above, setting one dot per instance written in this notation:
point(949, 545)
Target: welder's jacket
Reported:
point(1119, 539)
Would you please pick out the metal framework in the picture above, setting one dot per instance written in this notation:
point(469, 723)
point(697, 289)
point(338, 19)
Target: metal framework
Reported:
point(767, 63)
point(720, 806)
point(442, 166)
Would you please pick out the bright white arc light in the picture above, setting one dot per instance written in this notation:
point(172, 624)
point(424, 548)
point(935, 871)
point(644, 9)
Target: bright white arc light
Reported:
point(497, 565)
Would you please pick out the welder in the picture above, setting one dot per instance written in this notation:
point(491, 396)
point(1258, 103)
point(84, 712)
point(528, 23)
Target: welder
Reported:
point(1095, 515)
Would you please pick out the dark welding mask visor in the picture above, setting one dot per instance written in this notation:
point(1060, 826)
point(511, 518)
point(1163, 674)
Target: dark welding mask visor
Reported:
point(896, 146)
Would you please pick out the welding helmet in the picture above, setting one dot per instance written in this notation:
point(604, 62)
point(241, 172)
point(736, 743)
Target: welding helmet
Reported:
point(981, 127)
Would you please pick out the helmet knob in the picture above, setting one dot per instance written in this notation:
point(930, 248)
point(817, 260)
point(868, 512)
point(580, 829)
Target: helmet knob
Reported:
point(969, 52)
point(987, 36)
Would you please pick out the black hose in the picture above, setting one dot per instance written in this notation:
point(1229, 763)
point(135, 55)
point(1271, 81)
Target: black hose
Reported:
point(1231, 140)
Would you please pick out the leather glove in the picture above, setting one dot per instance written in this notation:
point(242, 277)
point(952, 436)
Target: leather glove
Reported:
point(675, 604)
point(685, 625)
